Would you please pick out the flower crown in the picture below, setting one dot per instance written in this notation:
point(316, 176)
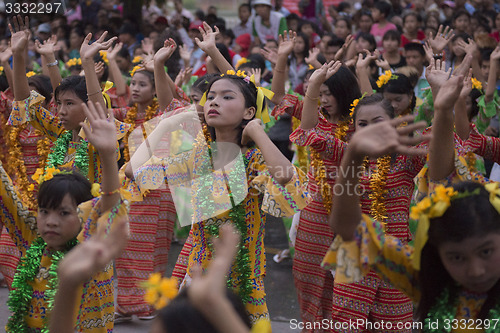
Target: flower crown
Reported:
point(73, 62)
point(384, 78)
point(262, 113)
point(242, 61)
point(435, 205)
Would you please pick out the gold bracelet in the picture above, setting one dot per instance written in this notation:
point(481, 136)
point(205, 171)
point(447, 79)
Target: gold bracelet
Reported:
point(312, 99)
point(97, 92)
point(110, 193)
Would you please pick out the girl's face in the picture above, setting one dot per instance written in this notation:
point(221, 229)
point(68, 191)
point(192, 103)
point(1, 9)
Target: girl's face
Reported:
point(400, 102)
point(411, 23)
point(432, 22)
point(363, 44)
point(327, 100)
point(299, 45)
point(390, 45)
point(370, 114)
point(474, 262)
point(70, 110)
point(461, 23)
point(196, 97)
point(341, 29)
point(307, 30)
point(141, 88)
point(376, 15)
point(225, 106)
point(58, 226)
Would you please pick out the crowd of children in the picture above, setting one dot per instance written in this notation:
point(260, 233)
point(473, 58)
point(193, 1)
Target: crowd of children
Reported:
point(382, 144)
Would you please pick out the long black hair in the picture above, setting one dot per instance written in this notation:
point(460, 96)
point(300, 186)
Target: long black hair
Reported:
point(344, 86)
point(401, 84)
point(472, 216)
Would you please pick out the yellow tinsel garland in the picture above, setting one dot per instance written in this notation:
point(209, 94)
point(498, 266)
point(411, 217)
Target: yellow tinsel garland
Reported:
point(471, 161)
point(301, 151)
point(320, 176)
point(378, 185)
point(343, 127)
point(131, 118)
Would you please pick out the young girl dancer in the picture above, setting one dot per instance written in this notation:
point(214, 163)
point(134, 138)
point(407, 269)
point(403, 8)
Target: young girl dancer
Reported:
point(230, 111)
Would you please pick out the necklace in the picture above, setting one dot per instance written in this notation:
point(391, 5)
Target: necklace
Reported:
point(132, 117)
point(57, 156)
point(378, 184)
point(22, 293)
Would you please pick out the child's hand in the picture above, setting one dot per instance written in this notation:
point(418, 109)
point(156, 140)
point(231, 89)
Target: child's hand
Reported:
point(325, 72)
point(470, 47)
point(257, 73)
point(165, 52)
point(113, 51)
point(286, 43)
point(382, 63)
point(436, 74)
point(147, 45)
point(209, 289)
point(20, 34)
point(270, 55)
point(448, 93)
point(208, 43)
point(88, 51)
point(99, 68)
point(48, 47)
point(467, 88)
point(312, 56)
point(340, 53)
point(102, 131)
point(386, 138)
point(364, 63)
point(439, 42)
point(91, 256)
point(185, 54)
point(495, 55)
point(253, 128)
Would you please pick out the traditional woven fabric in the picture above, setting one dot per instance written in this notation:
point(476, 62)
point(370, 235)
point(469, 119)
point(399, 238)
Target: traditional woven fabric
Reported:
point(95, 312)
point(482, 145)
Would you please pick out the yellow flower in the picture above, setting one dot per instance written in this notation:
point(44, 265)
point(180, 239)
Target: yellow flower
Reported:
point(231, 72)
point(31, 188)
point(104, 56)
point(37, 174)
point(384, 78)
point(135, 69)
point(30, 74)
point(353, 106)
point(1, 70)
point(168, 288)
point(240, 62)
point(241, 73)
point(420, 207)
point(444, 194)
point(73, 62)
point(96, 190)
point(137, 59)
point(151, 296)
point(310, 67)
point(476, 84)
point(161, 302)
point(154, 279)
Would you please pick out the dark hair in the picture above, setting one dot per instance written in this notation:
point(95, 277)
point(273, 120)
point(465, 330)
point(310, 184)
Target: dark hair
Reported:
point(335, 41)
point(105, 74)
point(343, 85)
point(474, 95)
point(459, 13)
point(74, 83)
point(372, 100)
point(224, 51)
point(401, 84)
point(347, 22)
point(414, 14)
point(472, 216)
point(305, 52)
point(243, 5)
point(202, 82)
point(181, 316)
point(249, 92)
point(369, 38)
point(412, 46)
point(41, 83)
point(392, 35)
point(149, 75)
point(124, 53)
point(384, 8)
point(52, 192)
point(486, 54)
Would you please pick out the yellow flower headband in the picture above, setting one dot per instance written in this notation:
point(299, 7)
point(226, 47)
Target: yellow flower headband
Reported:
point(384, 78)
point(262, 113)
point(242, 61)
point(159, 291)
point(354, 104)
point(30, 74)
point(436, 205)
point(135, 69)
point(74, 62)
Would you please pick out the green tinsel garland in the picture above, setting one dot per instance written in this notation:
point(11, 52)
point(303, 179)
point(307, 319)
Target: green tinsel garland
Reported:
point(22, 293)
point(444, 311)
point(237, 216)
point(60, 149)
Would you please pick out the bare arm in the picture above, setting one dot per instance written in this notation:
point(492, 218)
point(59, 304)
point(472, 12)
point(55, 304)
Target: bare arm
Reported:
point(462, 123)
point(47, 51)
point(19, 43)
point(286, 44)
point(209, 47)
point(114, 70)
point(4, 62)
point(492, 75)
point(162, 80)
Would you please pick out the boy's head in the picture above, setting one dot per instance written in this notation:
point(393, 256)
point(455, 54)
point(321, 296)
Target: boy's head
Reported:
point(412, 21)
point(332, 47)
point(244, 12)
point(262, 8)
point(381, 11)
point(485, 62)
point(415, 55)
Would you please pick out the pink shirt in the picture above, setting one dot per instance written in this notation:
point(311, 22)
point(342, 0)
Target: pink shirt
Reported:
point(378, 32)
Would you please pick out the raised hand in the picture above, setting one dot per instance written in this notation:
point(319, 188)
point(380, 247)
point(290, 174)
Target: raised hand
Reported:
point(113, 51)
point(147, 45)
point(286, 42)
point(48, 47)
point(470, 47)
point(102, 132)
point(467, 87)
point(166, 51)
point(20, 34)
point(387, 137)
point(313, 56)
point(99, 68)
point(382, 63)
point(270, 55)
point(253, 128)
point(208, 35)
point(448, 93)
point(436, 74)
point(429, 53)
point(495, 55)
point(439, 42)
point(257, 73)
point(325, 72)
point(463, 69)
point(364, 62)
point(185, 54)
point(88, 51)
point(341, 52)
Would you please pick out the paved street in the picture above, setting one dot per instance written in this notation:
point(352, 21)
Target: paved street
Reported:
point(281, 297)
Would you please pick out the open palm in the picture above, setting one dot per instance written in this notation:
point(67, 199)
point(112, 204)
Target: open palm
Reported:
point(19, 34)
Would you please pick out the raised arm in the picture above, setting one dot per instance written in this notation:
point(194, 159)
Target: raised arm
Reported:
point(114, 70)
point(87, 53)
point(462, 121)
point(491, 87)
point(162, 80)
point(19, 42)
point(310, 110)
point(471, 49)
point(102, 135)
point(363, 71)
point(438, 43)
point(373, 141)
point(208, 46)
point(285, 48)
point(47, 50)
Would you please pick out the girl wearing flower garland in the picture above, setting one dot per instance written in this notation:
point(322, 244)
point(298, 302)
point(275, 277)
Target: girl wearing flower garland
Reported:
point(314, 285)
point(452, 272)
point(67, 214)
point(230, 111)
